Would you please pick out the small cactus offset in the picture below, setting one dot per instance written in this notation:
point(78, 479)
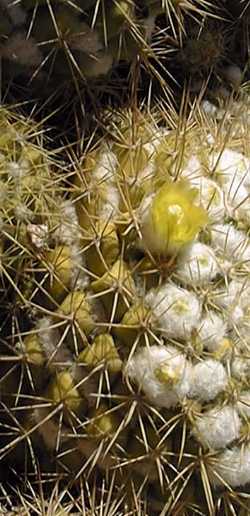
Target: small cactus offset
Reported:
point(125, 313)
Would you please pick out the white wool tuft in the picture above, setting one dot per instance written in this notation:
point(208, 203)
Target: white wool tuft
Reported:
point(104, 175)
point(158, 135)
point(112, 203)
point(22, 212)
point(107, 163)
point(210, 195)
point(192, 171)
point(232, 170)
point(211, 198)
point(238, 201)
point(209, 109)
point(209, 378)
point(241, 333)
point(67, 231)
point(230, 167)
point(240, 368)
point(178, 311)
point(79, 277)
point(217, 428)
point(86, 40)
point(22, 50)
point(54, 348)
point(100, 63)
point(143, 367)
point(38, 234)
point(235, 297)
point(212, 331)
point(197, 265)
point(230, 242)
point(15, 169)
point(232, 467)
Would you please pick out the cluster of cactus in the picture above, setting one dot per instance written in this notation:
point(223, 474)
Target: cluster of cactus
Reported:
point(75, 42)
point(83, 39)
point(125, 311)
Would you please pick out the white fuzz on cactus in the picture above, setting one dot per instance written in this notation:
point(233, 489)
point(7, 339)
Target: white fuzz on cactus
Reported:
point(162, 373)
point(201, 305)
point(217, 428)
point(51, 345)
point(103, 178)
point(176, 309)
point(209, 378)
point(234, 299)
point(230, 166)
point(212, 331)
point(210, 194)
point(230, 242)
point(197, 265)
point(232, 171)
point(169, 371)
point(240, 367)
point(232, 467)
point(67, 232)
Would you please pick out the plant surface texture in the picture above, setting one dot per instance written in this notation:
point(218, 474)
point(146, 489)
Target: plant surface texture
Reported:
point(125, 364)
point(100, 45)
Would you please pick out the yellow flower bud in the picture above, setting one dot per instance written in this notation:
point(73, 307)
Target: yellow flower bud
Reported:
point(173, 219)
point(102, 350)
point(59, 264)
point(134, 325)
point(62, 389)
point(77, 310)
point(116, 288)
point(102, 423)
point(32, 153)
point(104, 250)
point(33, 350)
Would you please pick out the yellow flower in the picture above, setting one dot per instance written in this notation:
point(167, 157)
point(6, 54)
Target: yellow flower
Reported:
point(173, 219)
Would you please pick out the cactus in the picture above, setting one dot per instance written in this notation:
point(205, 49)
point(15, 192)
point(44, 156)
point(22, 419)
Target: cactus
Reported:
point(68, 40)
point(60, 43)
point(125, 280)
point(125, 311)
